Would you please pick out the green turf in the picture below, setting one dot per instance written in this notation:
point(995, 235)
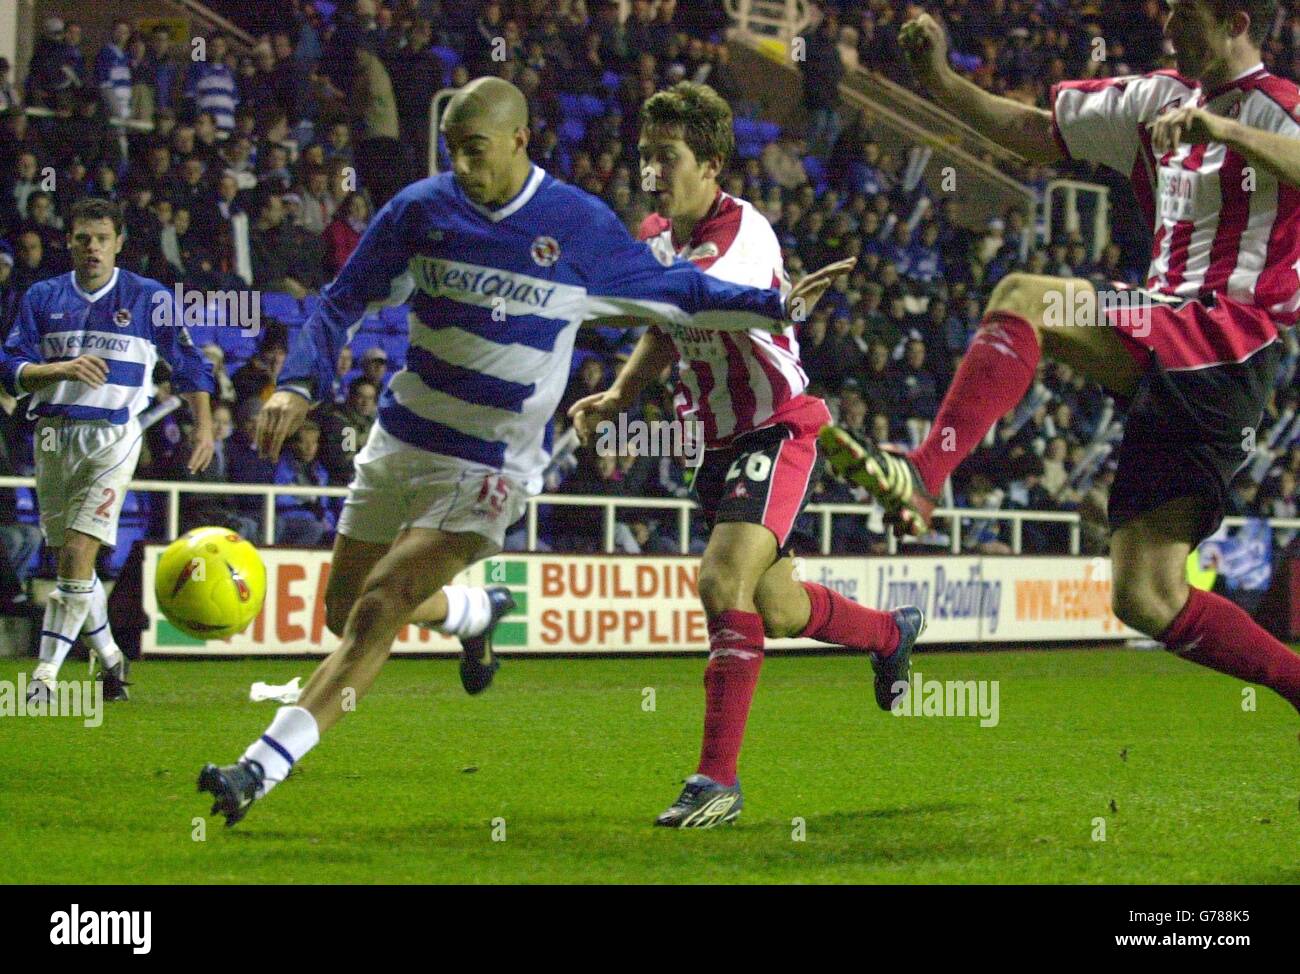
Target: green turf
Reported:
point(569, 759)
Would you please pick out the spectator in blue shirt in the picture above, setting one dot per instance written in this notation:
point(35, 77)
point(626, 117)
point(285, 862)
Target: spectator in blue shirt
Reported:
point(896, 250)
point(923, 260)
point(920, 391)
point(863, 172)
point(113, 72)
point(242, 461)
point(72, 55)
point(302, 521)
point(160, 70)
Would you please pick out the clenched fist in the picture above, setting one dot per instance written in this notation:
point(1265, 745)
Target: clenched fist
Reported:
point(926, 47)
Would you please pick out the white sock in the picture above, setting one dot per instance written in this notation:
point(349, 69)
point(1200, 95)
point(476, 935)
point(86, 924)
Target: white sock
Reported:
point(468, 610)
point(97, 631)
point(65, 615)
point(291, 735)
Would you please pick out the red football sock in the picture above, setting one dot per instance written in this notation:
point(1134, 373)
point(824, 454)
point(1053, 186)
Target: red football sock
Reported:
point(735, 655)
point(1218, 633)
point(993, 377)
point(843, 622)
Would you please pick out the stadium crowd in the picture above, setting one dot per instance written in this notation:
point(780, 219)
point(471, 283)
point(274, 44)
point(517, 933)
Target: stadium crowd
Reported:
point(258, 171)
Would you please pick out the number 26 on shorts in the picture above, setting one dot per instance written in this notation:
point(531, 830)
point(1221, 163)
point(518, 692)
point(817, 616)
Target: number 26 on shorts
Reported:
point(757, 467)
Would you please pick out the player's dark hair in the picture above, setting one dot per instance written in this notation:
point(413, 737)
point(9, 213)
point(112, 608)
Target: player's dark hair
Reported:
point(702, 114)
point(95, 208)
point(1262, 14)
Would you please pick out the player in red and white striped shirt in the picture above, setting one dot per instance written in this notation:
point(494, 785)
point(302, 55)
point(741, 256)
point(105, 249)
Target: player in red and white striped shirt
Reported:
point(1213, 152)
point(733, 384)
point(746, 392)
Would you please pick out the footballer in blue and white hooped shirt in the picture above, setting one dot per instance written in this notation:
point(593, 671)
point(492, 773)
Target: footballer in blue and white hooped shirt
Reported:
point(501, 264)
point(84, 349)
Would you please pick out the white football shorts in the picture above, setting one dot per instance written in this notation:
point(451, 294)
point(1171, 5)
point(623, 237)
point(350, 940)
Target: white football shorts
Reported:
point(83, 468)
point(396, 486)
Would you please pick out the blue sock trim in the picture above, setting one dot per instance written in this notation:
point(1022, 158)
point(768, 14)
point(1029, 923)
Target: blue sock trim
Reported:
point(278, 748)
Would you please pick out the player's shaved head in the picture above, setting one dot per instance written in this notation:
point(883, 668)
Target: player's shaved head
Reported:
point(486, 128)
point(489, 102)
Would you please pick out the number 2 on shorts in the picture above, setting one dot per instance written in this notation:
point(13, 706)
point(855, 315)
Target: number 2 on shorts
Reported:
point(103, 509)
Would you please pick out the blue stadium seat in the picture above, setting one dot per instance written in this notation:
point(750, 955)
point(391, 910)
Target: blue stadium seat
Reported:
point(572, 131)
point(768, 132)
point(25, 498)
point(610, 81)
point(570, 107)
point(592, 106)
point(745, 129)
point(283, 307)
point(749, 150)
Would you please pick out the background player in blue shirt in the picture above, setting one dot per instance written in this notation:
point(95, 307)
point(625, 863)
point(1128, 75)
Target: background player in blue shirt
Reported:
point(84, 348)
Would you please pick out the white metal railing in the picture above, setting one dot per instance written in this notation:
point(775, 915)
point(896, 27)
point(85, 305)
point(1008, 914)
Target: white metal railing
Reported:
point(134, 124)
point(1070, 189)
point(779, 20)
point(611, 505)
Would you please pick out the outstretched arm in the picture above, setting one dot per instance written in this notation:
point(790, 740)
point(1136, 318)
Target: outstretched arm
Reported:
point(653, 353)
point(1024, 129)
point(624, 278)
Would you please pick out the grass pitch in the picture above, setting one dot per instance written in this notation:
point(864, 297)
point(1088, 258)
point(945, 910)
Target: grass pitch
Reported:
point(563, 756)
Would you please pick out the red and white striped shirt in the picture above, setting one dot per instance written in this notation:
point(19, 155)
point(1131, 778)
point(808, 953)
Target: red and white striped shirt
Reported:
point(735, 382)
point(1223, 228)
